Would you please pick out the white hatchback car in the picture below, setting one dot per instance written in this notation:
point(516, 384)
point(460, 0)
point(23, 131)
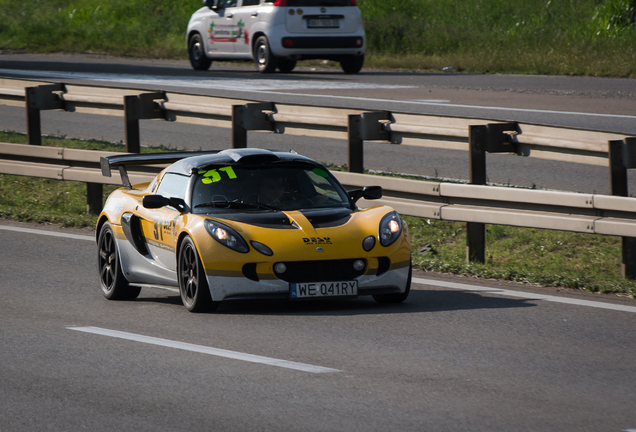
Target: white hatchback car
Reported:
point(277, 33)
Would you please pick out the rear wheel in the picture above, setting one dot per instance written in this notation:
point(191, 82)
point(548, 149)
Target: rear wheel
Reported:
point(196, 51)
point(352, 64)
point(193, 284)
point(266, 62)
point(285, 65)
point(397, 297)
point(114, 284)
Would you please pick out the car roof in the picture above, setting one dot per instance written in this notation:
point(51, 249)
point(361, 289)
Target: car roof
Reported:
point(244, 156)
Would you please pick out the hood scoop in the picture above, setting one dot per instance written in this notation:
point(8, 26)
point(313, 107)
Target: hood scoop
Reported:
point(327, 218)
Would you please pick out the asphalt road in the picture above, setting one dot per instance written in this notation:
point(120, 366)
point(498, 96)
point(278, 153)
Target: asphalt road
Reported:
point(578, 102)
point(448, 359)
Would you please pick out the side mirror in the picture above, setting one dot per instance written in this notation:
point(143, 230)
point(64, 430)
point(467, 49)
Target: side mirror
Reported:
point(212, 4)
point(158, 201)
point(367, 192)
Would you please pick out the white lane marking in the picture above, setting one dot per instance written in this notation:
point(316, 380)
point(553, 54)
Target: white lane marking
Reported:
point(523, 110)
point(48, 233)
point(525, 295)
point(258, 86)
point(442, 101)
point(251, 85)
point(205, 350)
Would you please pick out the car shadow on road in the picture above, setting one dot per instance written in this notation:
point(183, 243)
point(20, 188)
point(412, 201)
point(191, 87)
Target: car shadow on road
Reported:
point(419, 301)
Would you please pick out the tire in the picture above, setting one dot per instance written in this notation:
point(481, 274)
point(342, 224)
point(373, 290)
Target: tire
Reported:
point(193, 285)
point(196, 51)
point(286, 66)
point(397, 297)
point(114, 284)
point(266, 62)
point(352, 64)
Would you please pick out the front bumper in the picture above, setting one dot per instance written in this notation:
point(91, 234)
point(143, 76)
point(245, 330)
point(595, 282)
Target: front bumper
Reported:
point(237, 288)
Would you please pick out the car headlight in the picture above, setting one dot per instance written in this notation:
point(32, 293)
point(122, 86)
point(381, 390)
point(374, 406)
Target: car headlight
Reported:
point(226, 236)
point(390, 228)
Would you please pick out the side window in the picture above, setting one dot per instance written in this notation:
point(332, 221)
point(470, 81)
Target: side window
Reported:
point(227, 3)
point(251, 2)
point(173, 185)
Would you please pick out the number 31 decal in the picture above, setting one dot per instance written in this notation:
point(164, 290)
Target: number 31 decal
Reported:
point(213, 175)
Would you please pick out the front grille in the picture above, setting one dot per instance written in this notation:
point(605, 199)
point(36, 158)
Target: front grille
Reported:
point(320, 271)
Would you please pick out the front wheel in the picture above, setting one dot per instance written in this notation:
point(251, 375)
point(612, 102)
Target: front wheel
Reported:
point(266, 62)
point(114, 284)
point(196, 51)
point(193, 284)
point(352, 64)
point(397, 297)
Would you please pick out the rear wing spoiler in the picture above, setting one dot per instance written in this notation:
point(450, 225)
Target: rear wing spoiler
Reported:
point(121, 162)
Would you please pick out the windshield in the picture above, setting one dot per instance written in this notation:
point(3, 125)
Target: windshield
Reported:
point(231, 188)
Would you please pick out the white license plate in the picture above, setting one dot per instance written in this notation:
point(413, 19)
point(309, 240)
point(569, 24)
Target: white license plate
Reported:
point(323, 23)
point(324, 289)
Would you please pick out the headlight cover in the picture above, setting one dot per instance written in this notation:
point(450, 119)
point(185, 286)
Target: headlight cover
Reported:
point(226, 236)
point(390, 228)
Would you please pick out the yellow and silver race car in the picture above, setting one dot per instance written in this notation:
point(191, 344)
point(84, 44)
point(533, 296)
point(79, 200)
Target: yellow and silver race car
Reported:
point(245, 224)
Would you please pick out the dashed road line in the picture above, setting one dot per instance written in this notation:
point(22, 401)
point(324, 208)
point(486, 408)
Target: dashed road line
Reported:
point(205, 350)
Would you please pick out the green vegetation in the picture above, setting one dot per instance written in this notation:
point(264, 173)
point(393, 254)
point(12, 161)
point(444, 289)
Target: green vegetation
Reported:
point(552, 258)
point(32, 199)
point(590, 37)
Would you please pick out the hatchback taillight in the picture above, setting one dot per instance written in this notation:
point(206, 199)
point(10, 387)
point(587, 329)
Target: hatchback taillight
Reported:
point(353, 2)
point(280, 3)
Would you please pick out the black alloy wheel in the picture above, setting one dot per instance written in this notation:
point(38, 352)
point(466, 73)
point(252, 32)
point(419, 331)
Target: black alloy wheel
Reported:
point(193, 285)
point(397, 297)
point(114, 284)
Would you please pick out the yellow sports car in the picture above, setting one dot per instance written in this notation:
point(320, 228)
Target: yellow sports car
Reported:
point(245, 224)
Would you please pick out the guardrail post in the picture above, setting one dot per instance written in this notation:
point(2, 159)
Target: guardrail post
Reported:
point(94, 198)
point(622, 156)
point(37, 99)
point(355, 144)
point(248, 117)
point(476, 231)
point(493, 138)
point(360, 127)
point(141, 107)
point(34, 131)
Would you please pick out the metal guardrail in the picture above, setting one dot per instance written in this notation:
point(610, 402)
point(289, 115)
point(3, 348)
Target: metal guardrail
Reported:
point(564, 211)
point(474, 204)
point(531, 140)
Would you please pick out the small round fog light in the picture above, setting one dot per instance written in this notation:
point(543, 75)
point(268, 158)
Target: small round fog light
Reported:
point(358, 265)
point(291, 12)
point(280, 268)
point(299, 11)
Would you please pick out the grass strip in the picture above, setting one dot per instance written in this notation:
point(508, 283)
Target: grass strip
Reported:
point(582, 37)
point(587, 262)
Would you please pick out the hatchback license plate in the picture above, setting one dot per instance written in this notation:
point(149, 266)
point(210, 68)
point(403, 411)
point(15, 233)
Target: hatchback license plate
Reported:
point(324, 289)
point(323, 23)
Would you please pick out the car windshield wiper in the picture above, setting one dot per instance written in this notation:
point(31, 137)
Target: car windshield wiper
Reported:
point(235, 204)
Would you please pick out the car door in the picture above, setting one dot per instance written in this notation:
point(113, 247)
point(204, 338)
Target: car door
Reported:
point(158, 226)
point(222, 30)
point(245, 16)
